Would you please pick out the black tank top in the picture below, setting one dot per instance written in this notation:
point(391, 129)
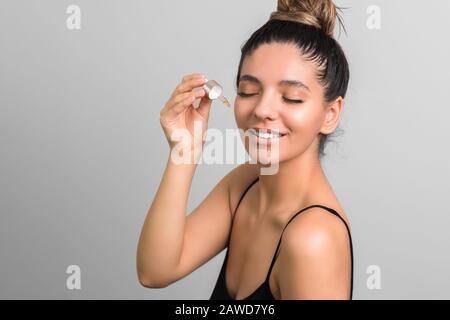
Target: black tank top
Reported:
point(263, 292)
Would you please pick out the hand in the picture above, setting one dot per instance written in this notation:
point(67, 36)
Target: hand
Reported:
point(179, 113)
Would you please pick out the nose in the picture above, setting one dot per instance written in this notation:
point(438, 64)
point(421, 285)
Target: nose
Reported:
point(266, 108)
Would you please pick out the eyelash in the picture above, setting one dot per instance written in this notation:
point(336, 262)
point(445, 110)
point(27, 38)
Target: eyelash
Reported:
point(247, 95)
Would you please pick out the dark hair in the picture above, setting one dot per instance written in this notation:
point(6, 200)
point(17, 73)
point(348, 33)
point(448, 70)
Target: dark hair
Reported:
point(309, 25)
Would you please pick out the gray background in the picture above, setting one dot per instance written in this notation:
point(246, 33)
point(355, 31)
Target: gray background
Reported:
point(82, 151)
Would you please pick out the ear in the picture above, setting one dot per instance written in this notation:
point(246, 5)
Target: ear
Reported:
point(332, 116)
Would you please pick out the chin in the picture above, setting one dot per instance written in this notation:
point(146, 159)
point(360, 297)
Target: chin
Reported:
point(265, 152)
point(265, 156)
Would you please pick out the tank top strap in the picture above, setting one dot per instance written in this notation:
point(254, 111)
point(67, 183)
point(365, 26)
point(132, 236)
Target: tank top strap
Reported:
point(308, 207)
point(237, 206)
point(243, 194)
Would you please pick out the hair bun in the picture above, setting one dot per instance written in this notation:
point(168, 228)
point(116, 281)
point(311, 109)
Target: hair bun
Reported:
point(321, 14)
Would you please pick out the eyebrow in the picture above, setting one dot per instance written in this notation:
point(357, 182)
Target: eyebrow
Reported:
point(291, 83)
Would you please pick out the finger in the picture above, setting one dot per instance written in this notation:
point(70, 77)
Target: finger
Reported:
point(180, 107)
point(183, 104)
point(189, 85)
point(173, 101)
point(204, 107)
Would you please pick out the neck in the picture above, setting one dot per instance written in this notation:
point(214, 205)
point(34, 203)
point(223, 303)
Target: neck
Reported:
point(291, 186)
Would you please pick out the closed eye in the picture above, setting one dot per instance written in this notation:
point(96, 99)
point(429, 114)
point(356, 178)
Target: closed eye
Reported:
point(292, 101)
point(246, 95)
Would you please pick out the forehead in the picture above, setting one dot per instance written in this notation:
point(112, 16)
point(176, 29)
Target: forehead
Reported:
point(276, 61)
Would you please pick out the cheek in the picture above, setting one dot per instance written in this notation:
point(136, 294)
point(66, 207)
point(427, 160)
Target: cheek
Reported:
point(297, 120)
point(241, 114)
point(303, 123)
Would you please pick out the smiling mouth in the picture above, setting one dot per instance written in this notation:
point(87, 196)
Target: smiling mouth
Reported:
point(262, 137)
point(266, 134)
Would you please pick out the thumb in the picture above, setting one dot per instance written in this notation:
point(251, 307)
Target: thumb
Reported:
point(204, 107)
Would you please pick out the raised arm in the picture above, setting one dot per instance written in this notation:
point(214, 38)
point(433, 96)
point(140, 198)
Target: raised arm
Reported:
point(172, 244)
point(162, 234)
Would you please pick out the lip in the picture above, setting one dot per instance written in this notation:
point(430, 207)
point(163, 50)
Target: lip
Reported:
point(270, 130)
point(263, 141)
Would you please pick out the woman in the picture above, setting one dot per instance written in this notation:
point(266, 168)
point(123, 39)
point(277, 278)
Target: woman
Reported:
point(292, 79)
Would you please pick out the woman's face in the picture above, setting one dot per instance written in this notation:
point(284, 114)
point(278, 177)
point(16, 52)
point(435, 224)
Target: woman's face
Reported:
point(279, 90)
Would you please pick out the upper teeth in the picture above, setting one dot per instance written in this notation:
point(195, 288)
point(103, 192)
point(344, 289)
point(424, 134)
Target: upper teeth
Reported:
point(264, 134)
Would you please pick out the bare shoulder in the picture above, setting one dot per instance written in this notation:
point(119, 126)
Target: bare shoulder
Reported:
point(315, 228)
point(240, 178)
point(315, 257)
